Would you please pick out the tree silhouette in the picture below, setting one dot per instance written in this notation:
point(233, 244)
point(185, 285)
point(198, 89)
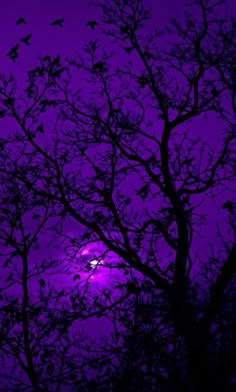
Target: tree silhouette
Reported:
point(34, 331)
point(122, 156)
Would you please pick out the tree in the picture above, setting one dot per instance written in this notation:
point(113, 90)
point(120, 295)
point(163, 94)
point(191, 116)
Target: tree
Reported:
point(125, 159)
point(34, 331)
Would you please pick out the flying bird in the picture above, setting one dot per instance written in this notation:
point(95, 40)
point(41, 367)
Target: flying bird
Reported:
point(13, 53)
point(57, 22)
point(13, 50)
point(26, 39)
point(20, 21)
point(14, 56)
point(92, 24)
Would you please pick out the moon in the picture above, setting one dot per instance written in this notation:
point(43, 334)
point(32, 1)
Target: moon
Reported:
point(95, 263)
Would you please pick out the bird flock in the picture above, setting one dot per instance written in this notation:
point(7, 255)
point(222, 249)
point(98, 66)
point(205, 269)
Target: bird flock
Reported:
point(13, 53)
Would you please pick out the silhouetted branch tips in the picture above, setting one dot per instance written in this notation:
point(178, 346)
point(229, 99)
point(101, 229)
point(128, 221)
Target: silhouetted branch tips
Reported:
point(117, 181)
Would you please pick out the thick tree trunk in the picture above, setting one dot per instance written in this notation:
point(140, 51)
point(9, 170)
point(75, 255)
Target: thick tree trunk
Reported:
point(193, 351)
point(26, 327)
point(197, 363)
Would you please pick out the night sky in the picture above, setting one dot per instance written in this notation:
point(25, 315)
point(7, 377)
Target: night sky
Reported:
point(94, 285)
point(69, 40)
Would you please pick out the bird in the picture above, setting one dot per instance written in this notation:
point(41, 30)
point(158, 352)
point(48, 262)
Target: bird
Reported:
point(13, 53)
point(26, 39)
point(57, 22)
point(20, 21)
point(92, 24)
point(14, 49)
point(14, 56)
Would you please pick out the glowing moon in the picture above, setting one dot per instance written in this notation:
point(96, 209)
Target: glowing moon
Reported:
point(94, 263)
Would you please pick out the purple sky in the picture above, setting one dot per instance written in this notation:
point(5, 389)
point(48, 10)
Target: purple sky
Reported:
point(69, 40)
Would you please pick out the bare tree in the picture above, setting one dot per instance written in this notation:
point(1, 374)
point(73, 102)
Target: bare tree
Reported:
point(37, 352)
point(125, 159)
